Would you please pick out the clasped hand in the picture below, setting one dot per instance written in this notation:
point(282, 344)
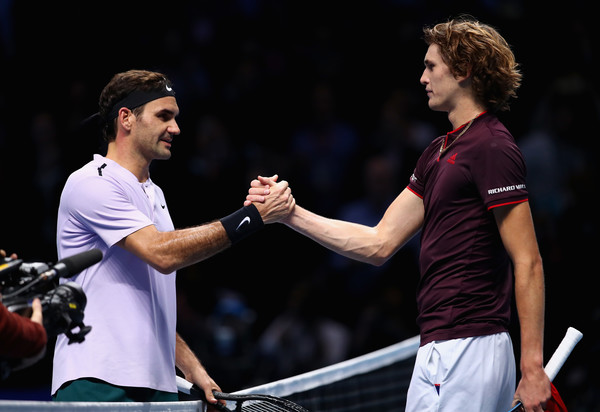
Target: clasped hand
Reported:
point(273, 199)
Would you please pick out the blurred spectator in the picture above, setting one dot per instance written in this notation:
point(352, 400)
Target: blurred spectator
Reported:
point(400, 132)
point(322, 150)
point(301, 338)
point(49, 175)
point(372, 298)
point(562, 175)
point(241, 68)
point(380, 187)
point(223, 337)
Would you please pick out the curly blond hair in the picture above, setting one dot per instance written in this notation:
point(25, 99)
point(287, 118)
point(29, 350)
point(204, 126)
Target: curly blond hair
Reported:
point(470, 47)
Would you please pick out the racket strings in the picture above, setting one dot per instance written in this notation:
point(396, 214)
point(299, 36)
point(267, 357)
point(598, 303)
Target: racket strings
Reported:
point(253, 406)
point(266, 406)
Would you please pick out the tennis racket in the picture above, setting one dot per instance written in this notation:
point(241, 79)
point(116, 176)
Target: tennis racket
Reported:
point(243, 403)
point(572, 337)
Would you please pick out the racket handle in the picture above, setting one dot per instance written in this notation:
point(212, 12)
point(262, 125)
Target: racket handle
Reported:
point(187, 387)
point(183, 385)
point(516, 407)
point(572, 337)
point(560, 355)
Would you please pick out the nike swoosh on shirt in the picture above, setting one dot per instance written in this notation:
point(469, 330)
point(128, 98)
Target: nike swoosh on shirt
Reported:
point(243, 222)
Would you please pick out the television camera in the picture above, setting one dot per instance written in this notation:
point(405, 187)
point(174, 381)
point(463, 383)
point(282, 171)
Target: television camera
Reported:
point(62, 304)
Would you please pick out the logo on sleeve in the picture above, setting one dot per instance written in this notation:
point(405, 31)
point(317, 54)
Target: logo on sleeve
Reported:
point(510, 188)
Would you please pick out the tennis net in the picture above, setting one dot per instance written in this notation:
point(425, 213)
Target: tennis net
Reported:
point(375, 381)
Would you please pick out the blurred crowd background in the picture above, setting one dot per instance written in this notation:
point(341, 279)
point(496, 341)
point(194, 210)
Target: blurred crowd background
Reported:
point(326, 94)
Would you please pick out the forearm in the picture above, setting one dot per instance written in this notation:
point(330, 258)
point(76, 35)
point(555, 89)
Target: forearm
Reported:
point(192, 369)
point(173, 250)
point(530, 300)
point(375, 245)
point(534, 386)
point(349, 239)
point(185, 359)
point(516, 229)
point(191, 245)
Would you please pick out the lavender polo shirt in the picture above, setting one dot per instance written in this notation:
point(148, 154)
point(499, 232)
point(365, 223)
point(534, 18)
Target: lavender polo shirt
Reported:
point(131, 307)
point(466, 279)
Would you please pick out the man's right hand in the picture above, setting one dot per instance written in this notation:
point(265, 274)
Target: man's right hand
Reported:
point(273, 199)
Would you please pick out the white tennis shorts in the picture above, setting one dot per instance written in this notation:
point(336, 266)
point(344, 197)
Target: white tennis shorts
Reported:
point(470, 374)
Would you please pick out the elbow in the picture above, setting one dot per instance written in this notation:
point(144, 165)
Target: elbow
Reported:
point(165, 270)
point(385, 245)
point(163, 263)
point(535, 265)
point(379, 260)
point(153, 247)
point(380, 256)
point(164, 266)
point(529, 270)
point(161, 256)
point(378, 252)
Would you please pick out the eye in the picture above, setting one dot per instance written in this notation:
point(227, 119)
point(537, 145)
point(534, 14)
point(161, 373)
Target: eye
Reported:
point(165, 116)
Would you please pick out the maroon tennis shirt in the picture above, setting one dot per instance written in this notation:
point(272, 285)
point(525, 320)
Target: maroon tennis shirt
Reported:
point(466, 279)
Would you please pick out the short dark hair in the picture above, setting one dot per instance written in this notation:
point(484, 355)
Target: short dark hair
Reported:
point(122, 85)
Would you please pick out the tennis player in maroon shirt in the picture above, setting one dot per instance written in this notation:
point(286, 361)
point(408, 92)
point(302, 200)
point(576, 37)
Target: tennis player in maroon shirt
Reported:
point(468, 197)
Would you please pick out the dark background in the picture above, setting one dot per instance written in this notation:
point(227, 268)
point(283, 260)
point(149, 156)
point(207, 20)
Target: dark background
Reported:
point(324, 94)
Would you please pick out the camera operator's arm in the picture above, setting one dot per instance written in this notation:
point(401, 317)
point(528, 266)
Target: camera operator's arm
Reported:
point(36, 315)
point(21, 337)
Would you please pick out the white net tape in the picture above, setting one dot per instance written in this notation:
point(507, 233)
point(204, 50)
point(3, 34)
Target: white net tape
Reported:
point(282, 388)
point(35, 406)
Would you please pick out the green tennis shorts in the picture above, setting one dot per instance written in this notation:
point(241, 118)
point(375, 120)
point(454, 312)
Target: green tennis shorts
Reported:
point(96, 390)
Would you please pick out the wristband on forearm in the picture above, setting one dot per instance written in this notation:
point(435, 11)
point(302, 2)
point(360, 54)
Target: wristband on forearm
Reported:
point(242, 223)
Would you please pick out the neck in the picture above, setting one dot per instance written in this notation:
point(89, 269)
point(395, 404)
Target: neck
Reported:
point(465, 114)
point(139, 168)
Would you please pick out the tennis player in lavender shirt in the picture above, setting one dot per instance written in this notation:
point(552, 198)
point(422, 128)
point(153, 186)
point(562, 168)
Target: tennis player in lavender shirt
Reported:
point(112, 204)
point(468, 198)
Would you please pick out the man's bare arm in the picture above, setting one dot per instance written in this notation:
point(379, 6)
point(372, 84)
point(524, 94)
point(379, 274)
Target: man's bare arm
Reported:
point(518, 235)
point(192, 369)
point(170, 251)
point(173, 250)
point(374, 245)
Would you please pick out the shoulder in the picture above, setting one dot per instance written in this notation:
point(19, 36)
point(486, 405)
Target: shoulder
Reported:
point(99, 174)
point(494, 140)
point(97, 184)
point(499, 135)
point(86, 183)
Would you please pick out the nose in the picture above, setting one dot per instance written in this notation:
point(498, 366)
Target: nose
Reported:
point(173, 128)
point(424, 79)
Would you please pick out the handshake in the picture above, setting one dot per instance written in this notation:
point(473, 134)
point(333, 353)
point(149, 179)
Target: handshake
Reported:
point(273, 199)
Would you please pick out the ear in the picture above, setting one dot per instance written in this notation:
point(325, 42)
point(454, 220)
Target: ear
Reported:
point(125, 118)
point(464, 77)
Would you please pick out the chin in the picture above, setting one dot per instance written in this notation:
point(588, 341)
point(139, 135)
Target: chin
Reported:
point(164, 155)
point(435, 107)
